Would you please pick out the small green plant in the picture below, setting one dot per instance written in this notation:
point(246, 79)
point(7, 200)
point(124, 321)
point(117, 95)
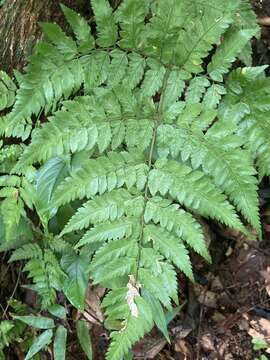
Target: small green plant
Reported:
point(258, 345)
point(128, 134)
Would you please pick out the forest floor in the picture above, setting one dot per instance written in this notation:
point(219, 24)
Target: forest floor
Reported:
point(224, 310)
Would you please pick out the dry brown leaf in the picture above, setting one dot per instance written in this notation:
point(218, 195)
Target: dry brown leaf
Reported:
point(208, 298)
point(181, 331)
point(218, 317)
point(149, 347)
point(184, 348)
point(93, 312)
point(266, 275)
point(207, 342)
point(131, 294)
point(260, 328)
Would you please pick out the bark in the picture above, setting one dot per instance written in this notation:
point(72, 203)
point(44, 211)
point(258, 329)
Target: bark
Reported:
point(19, 29)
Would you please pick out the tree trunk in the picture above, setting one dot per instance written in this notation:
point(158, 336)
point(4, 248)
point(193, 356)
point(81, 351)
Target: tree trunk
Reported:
point(19, 29)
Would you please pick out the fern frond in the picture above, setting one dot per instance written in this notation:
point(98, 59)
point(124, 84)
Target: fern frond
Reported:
point(194, 190)
point(201, 35)
point(135, 70)
point(117, 229)
point(197, 87)
point(27, 251)
point(124, 247)
point(133, 328)
point(66, 46)
point(170, 247)
point(183, 224)
point(150, 139)
point(103, 174)
point(222, 163)
point(162, 275)
point(109, 206)
point(131, 17)
point(47, 277)
point(82, 30)
point(232, 45)
point(106, 27)
point(48, 78)
point(153, 78)
point(83, 124)
point(8, 157)
point(250, 87)
point(12, 209)
point(7, 91)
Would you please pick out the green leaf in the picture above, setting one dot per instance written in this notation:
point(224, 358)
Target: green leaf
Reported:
point(106, 28)
point(81, 29)
point(75, 285)
point(170, 315)
point(58, 311)
point(59, 345)
point(39, 343)
point(158, 313)
point(48, 177)
point(259, 344)
point(38, 322)
point(84, 338)
point(153, 78)
point(233, 43)
point(64, 43)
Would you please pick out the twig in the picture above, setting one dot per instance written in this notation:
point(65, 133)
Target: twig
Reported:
point(13, 292)
point(201, 319)
point(199, 327)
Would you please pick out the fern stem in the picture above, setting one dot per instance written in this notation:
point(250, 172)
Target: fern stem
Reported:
point(150, 157)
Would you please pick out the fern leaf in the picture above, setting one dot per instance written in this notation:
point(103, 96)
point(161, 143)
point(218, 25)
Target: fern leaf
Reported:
point(109, 231)
point(196, 89)
point(179, 221)
point(132, 330)
point(201, 35)
point(131, 17)
point(113, 250)
point(213, 96)
point(106, 27)
point(81, 29)
point(135, 70)
point(194, 190)
point(27, 251)
point(47, 277)
point(117, 67)
point(7, 91)
point(162, 275)
point(232, 176)
point(143, 130)
point(115, 269)
point(51, 140)
point(232, 45)
point(104, 173)
point(150, 128)
point(12, 209)
point(109, 206)
point(64, 44)
point(153, 78)
point(170, 247)
point(174, 88)
point(59, 79)
point(10, 180)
